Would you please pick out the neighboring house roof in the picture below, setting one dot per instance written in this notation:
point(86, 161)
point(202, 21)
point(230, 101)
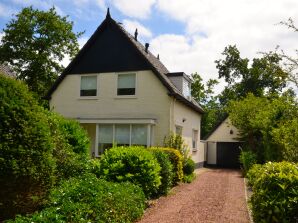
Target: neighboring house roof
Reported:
point(148, 61)
point(215, 127)
point(7, 71)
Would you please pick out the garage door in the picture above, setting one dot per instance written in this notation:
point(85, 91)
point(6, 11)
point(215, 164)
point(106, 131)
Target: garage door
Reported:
point(228, 154)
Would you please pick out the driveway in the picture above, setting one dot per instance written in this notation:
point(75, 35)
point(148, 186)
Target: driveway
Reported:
point(217, 195)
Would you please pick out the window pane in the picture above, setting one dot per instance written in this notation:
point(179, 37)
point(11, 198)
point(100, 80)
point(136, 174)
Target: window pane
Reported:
point(126, 81)
point(88, 82)
point(194, 139)
point(122, 133)
point(105, 134)
point(88, 85)
point(139, 135)
point(178, 130)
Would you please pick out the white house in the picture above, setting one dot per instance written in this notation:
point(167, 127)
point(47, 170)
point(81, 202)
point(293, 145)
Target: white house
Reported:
point(121, 93)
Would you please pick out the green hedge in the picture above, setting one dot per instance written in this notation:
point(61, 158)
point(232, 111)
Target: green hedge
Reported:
point(177, 161)
point(89, 199)
point(27, 165)
point(275, 192)
point(133, 164)
point(247, 160)
point(188, 166)
point(166, 172)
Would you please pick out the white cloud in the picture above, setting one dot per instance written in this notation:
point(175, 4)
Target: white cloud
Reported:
point(251, 25)
point(131, 25)
point(134, 8)
point(6, 11)
point(44, 5)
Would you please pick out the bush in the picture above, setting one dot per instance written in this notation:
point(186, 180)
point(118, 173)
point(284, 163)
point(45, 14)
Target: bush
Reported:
point(247, 160)
point(26, 162)
point(166, 172)
point(71, 146)
point(134, 164)
point(189, 178)
point(253, 174)
point(176, 160)
point(176, 142)
point(188, 166)
point(89, 199)
point(275, 193)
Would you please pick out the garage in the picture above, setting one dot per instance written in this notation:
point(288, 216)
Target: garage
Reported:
point(222, 146)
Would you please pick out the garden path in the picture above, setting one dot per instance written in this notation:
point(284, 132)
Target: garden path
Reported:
point(216, 195)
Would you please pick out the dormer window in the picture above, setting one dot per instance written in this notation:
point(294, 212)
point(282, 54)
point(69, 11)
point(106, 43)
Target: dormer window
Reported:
point(126, 84)
point(88, 86)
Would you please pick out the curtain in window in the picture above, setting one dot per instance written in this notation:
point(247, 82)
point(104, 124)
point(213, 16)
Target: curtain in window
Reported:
point(105, 134)
point(126, 84)
point(139, 135)
point(122, 134)
point(88, 85)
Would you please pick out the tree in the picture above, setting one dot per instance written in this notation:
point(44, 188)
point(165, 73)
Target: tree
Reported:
point(267, 125)
point(204, 95)
point(34, 44)
point(264, 76)
point(291, 63)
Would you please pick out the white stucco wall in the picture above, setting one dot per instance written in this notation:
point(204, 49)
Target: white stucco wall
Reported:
point(222, 133)
point(151, 101)
point(192, 121)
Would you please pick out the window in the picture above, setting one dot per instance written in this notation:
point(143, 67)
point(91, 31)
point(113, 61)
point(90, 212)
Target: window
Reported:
point(105, 137)
point(122, 135)
point(139, 135)
point(178, 130)
point(126, 84)
point(88, 86)
point(194, 139)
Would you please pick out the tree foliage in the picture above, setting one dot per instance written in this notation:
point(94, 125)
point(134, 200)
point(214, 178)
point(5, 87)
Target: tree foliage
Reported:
point(265, 75)
point(204, 95)
point(267, 125)
point(34, 44)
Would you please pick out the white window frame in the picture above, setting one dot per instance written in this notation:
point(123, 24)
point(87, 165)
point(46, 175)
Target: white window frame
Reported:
point(195, 132)
point(149, 134)
point(136, 83)
point(97, 86)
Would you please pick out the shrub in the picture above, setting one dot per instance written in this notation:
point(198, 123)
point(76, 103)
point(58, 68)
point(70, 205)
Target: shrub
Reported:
point(176, 160)
point(26, 162)
point(176, 142)
point(275, 193)
point(89, 199)
point(253, 173)
point(134, 164)
point(189, 178)
point(71, 146)
point(247, 160)
point(188, 166)
point(166, 172)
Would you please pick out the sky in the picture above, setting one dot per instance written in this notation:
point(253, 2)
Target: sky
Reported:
point(188, 35)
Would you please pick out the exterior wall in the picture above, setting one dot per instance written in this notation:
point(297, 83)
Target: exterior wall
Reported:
point(211, 153)
point(189, 120)
point(151, 101)
point(222, 133)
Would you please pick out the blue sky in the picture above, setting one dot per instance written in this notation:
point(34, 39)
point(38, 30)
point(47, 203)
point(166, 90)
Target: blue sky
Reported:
point(189, 35)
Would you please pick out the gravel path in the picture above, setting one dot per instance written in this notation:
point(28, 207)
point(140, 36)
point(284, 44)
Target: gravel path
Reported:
point(216, 195)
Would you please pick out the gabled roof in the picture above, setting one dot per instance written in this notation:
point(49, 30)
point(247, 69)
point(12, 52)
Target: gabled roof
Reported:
point(147, 57)
point(7, 71)
point(225, 116)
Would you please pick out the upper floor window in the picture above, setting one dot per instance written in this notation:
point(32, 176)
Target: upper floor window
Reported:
point(88, 86)
point(126, 84)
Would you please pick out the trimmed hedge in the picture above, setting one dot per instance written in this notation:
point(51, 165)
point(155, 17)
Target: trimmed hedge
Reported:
point(247, 160)
point(166, 172)
point(188, 166)
point(133, 164)
point(177, 161)
point(275, 192)
point(89, 199)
